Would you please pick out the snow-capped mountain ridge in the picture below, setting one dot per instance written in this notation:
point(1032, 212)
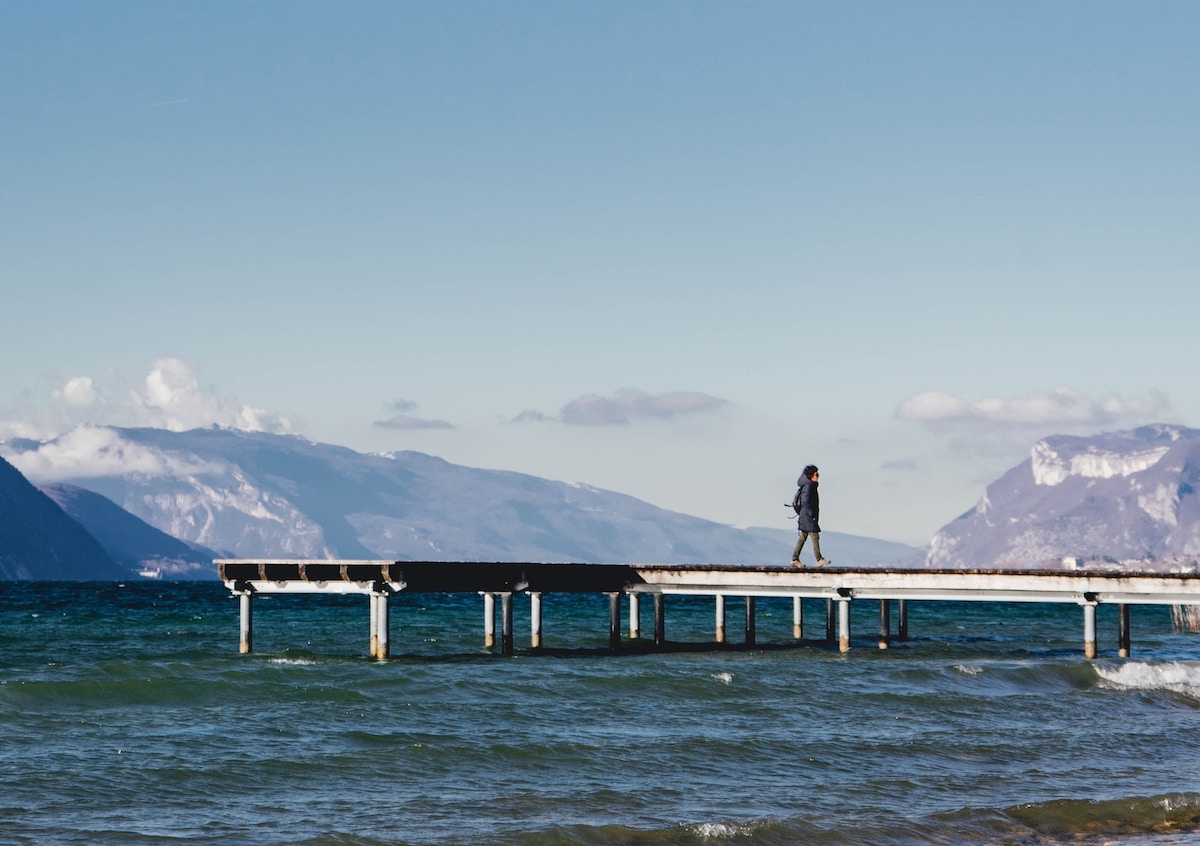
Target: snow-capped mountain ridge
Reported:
point(255, 494)
point(1118, 496)
point(1050, 468)
point(1103, 456)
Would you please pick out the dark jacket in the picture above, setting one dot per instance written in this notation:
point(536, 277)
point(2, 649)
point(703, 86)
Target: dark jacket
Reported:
point(810, 506)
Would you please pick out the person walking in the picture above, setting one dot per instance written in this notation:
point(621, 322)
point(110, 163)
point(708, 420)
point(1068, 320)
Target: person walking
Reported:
point(808, 511)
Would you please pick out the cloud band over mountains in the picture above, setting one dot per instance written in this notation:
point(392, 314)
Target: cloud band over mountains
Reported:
point(1057, 407)
point(169, 397)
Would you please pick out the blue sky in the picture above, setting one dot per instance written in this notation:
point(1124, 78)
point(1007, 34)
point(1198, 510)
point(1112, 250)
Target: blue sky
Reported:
point(678, 250)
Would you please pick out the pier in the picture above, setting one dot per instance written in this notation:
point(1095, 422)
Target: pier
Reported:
point(498, 582)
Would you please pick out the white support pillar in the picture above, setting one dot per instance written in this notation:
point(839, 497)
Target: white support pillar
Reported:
point(383, 615)
point(635, 617)
point(506, 623)
point(247, 628)
point(1089, 630)
point(1123, 630)
point(750, 621)
point(720, 613)
point(885, 623)
point(797, 617)
point(489, 619)
point(844, 624)
point(535, 620)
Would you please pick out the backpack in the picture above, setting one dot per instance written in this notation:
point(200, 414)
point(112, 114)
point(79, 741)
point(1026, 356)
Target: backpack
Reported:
point(796, 502)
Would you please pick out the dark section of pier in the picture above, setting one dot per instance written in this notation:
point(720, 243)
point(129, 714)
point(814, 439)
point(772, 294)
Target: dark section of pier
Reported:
point(444, 576)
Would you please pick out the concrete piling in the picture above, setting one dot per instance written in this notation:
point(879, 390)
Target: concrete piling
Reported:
point(535, 620)
point(750, 621)
point(720, 602)
point(506, 623)
point(247, 628)
point(380, 624)
point(844, 625)
point(660, 622)
point(614, 620)
point(1123, 630)
point(885, 623)
point(489, 619)
point(1089, 630)
point(635, 617)
point(797, 617)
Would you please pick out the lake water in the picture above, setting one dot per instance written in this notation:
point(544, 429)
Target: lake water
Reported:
point(127, 716)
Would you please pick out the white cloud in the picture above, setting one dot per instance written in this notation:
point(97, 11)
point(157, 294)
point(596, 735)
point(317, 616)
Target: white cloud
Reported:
point(1064, 407)
point(404, 421)
point(173, 399)
point(531, 415)
point(92, 451)
point(169, 397)
point(595, 410)
point(998, 429)
point(19, 429)
point(932, 405)
point(627, 405)
point(79, 392)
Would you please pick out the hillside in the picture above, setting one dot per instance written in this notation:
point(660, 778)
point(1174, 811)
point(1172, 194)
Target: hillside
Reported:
point(1126, 496)
point(132, 542)
point(257, 494)
point(38, 541)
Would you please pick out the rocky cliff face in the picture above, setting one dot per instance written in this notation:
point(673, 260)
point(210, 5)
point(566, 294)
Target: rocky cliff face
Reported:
point(1116, 497)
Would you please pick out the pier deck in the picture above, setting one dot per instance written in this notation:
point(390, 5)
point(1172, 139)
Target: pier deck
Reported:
point(837, 585)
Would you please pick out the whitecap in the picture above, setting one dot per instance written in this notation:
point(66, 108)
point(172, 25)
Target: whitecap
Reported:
point(1176, 676)
point(968, 671)
point(721, 830)
point(723, 678)
point(294, 662)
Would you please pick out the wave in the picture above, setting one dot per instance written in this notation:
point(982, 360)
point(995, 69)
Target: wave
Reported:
point(1090, 821)
point(1172, 818)
point(1173, 676)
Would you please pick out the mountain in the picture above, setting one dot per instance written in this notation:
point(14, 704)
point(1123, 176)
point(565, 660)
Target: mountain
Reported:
point(39, 541)
point(253, 494)
point(1117, 497)
point(132, 542)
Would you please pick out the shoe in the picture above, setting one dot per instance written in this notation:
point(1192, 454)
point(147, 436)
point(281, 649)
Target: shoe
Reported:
point(796, 563)
point(822, 562)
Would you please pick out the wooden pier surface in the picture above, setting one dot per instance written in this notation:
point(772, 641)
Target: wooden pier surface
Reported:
point(315, 576)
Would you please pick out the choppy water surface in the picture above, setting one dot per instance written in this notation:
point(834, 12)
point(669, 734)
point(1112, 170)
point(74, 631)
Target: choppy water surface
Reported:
point(127, 717)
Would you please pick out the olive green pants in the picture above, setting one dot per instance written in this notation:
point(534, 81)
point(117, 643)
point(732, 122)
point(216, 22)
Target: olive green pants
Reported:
point(816, 536)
